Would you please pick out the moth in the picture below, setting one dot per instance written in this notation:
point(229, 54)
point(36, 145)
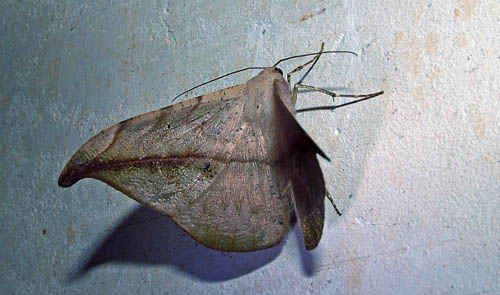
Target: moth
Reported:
point(232, 168)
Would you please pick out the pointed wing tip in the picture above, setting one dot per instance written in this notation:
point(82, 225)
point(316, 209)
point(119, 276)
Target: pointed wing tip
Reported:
point(323, 155)
point(69, 176)
point(64, 180)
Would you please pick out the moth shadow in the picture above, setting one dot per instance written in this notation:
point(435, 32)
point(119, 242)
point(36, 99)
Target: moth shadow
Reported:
point(149, 238)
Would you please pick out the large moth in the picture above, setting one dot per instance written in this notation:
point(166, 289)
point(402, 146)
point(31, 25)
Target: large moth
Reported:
point(230, 167)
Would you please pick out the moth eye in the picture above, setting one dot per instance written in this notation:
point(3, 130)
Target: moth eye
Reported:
point(279, 71)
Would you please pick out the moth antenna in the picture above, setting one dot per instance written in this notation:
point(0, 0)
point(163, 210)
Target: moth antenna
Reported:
point(260, 68)
point(315, 53)
point(215, 79)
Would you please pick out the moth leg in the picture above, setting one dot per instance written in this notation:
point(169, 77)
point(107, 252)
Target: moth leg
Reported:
point(296, 85)
point(299, 68)
point(330, 198)
point(333, 94)
point(294, 93)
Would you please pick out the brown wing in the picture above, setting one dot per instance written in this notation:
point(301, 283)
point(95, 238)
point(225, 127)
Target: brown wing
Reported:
point(199, 162)
point(300, 168)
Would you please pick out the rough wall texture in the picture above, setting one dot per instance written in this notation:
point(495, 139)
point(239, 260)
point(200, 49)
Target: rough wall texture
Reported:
point(416, 172)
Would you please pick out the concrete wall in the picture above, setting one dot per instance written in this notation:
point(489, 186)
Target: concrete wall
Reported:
point(416, 172)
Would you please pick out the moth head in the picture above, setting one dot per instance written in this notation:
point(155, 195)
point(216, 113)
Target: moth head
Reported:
point(278, 70)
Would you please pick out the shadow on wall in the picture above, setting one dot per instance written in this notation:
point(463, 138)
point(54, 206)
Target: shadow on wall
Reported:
point(147, 237)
